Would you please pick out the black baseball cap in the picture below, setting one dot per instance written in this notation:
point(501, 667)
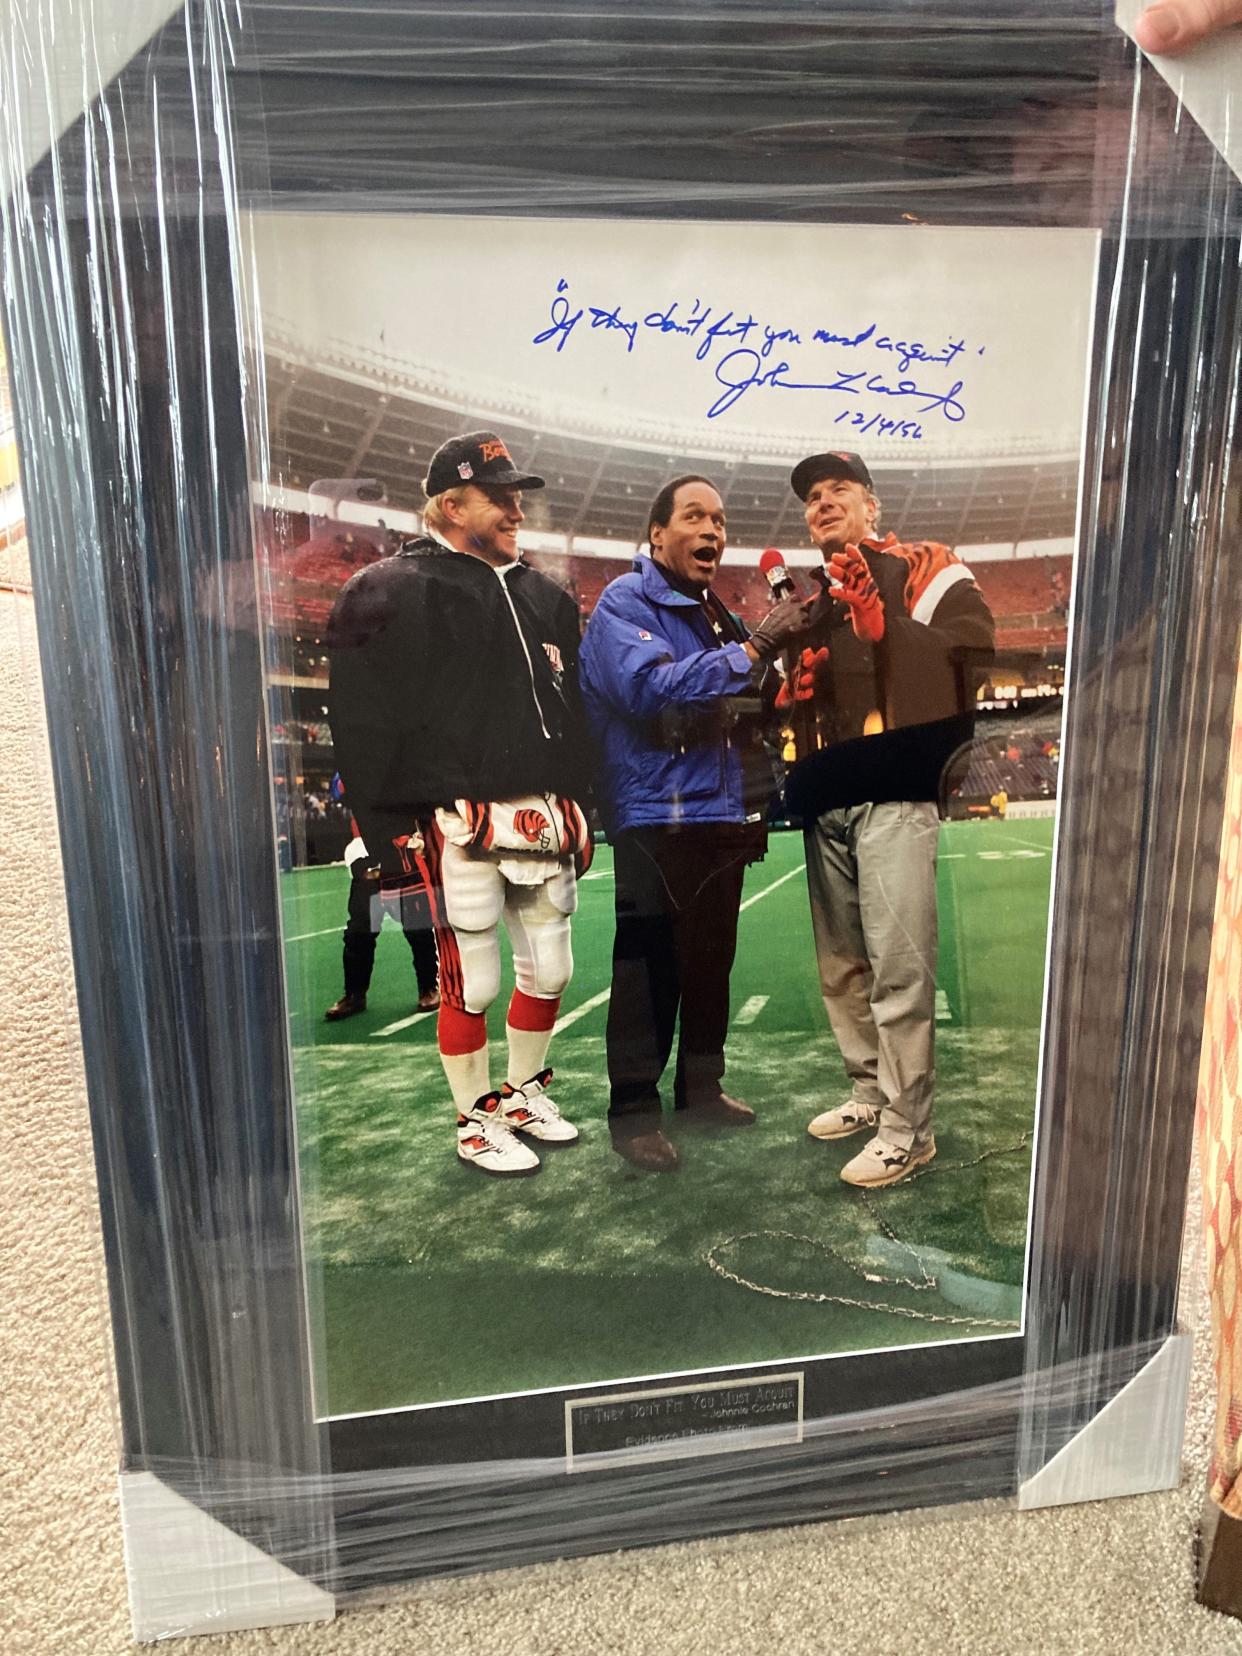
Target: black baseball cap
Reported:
point(477, 457)
point(837, 463)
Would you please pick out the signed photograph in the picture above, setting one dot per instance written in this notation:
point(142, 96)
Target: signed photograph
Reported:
point(666, 661)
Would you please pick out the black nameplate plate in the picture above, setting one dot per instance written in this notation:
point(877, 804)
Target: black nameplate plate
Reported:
point(674, 1421)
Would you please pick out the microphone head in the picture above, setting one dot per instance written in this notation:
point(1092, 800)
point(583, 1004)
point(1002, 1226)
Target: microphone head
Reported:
point(772, 567)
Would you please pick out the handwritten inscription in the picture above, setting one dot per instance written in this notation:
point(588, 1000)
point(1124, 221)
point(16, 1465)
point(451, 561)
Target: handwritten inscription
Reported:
point(748, 354)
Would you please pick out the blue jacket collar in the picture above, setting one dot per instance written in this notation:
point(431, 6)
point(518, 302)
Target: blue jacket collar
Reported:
point(656, 587)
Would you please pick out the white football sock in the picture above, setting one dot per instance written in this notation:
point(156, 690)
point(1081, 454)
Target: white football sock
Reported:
point(528, 1048)
point(467, 1074)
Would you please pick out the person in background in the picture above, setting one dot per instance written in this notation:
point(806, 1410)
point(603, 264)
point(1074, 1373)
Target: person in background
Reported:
point(369, 895)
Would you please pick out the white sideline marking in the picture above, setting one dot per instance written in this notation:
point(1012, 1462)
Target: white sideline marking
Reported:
point(605, 994)
point(305, 937)
point(571, 1018)
point(401, 1023)
point(791, 874)
point(1014, 840)
point(581, 1011)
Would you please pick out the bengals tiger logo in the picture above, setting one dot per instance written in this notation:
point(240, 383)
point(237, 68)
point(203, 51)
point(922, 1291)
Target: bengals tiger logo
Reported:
point(534, 826)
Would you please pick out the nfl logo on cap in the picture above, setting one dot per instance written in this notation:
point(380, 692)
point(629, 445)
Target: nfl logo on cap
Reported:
point(479, 458)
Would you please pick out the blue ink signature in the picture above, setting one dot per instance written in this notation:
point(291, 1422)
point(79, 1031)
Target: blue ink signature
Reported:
point(822, 336)
point(667, 322)
point(563, 323)
point(563, 319)
point(739, 372)
point(906, 352)
point(609, 320)
point(879, 424)
point(743, 368)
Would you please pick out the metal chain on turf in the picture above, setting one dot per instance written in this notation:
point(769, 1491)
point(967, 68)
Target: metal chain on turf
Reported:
point(927, 1283)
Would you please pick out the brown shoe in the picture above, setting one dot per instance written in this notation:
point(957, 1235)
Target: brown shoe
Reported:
point(347, 1007)
point(430, 1001)
point(721, 1111)
point(651, 1151)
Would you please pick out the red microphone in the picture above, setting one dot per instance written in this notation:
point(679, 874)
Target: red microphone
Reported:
point(772, 563)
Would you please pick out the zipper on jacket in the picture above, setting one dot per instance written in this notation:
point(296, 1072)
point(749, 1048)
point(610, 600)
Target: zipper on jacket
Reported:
point(530, 667)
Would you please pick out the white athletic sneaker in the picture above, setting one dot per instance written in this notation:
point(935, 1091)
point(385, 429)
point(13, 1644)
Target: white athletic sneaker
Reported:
point(485, 1142)
point(847, 1118)
point(881, 1163)
point(528, 1109)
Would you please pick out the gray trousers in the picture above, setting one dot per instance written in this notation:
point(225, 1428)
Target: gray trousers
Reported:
point(871, 871)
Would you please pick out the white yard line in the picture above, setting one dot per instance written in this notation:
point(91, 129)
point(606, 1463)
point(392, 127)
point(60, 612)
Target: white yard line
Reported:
point(789, 876)
point(605, 994)
point(756, 1002)
point(581, 1011)
point(401, 1023)
point(305, 937)
point(750, 1009)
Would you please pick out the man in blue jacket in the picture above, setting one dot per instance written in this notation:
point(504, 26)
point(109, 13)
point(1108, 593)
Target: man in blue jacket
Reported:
point(670, 680)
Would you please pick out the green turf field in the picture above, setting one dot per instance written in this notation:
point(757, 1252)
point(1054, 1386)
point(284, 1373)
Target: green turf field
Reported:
point(433, 1281)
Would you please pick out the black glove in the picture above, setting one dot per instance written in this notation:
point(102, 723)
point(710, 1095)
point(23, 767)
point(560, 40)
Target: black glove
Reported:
point(780, 626)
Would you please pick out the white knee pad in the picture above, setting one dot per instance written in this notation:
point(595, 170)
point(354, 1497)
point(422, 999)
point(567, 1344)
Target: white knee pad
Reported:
point(537, 920)
point(543, 960)
point(479, 952)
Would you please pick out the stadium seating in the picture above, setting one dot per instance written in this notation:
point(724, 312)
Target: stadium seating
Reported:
point(306, 572)
point(1022, 587)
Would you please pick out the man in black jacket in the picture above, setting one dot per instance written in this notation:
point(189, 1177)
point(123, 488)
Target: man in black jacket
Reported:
point(882, 697)
point(460, 739)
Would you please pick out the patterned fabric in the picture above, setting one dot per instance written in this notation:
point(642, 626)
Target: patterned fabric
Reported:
point(1220, 1129)
point(926, 560)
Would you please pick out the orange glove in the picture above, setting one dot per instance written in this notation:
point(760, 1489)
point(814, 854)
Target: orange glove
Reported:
point(800, 687)
point(851, 584)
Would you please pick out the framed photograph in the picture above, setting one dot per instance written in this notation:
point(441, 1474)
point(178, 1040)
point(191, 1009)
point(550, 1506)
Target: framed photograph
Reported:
point(582, 261)
point(612, 358)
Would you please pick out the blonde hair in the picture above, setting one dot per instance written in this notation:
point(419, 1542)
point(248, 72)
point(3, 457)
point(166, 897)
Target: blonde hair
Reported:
point(434, 516)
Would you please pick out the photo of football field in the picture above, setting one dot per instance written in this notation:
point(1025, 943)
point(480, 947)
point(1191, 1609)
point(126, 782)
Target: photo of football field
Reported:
point(430, 1281)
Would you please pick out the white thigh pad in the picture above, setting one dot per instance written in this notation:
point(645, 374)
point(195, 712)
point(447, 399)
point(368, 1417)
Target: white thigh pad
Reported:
point(538, 928)
point(474, 892)
point(561, 891)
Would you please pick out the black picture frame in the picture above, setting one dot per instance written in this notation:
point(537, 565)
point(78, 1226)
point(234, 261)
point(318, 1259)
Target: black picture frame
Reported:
point(135, 422)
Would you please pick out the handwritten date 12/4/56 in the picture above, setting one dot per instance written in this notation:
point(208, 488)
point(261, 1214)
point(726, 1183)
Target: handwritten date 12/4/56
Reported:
point(879, 425)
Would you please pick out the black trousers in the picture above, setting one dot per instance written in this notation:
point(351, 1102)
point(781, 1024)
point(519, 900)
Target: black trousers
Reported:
point(678, 894)
point(368, 898)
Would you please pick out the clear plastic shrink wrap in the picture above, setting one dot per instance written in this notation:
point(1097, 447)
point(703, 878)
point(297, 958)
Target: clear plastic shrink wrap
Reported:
point(979, 265)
